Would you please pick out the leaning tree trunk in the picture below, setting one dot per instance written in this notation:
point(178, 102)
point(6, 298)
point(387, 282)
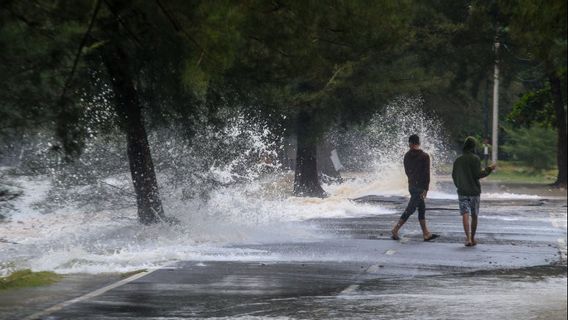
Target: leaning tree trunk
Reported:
point(306, 180)
point(127, 106)
point(556, 90)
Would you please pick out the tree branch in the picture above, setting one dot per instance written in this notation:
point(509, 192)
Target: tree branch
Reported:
point(175, 24)
point(121, 22)
point(80, 49)
point(178, 28)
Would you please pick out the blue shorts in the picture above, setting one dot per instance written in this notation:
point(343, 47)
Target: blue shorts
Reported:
point(469, 205)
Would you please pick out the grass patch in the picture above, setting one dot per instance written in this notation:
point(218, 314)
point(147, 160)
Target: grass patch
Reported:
point(513, 172)
point(28, 278)
point(125, 275)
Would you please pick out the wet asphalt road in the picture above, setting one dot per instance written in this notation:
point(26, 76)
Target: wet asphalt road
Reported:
point(518, 271)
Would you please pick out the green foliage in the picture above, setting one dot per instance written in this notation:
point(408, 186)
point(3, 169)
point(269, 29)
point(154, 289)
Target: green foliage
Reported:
point(539, 28)
point(340, 60)
point(534, 107)
point(212, 33)
point(27, 278)
point(176, 48)
point(534, 146)
point(454, 60)
point(334, 60)
point(195, 79)
point(538, 32)
point(37, 45)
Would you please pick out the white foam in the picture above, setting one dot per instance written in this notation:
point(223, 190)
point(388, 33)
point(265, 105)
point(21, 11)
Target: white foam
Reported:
point(242, 204)
point(509, 196)
point(35, 189)
point(74, 240)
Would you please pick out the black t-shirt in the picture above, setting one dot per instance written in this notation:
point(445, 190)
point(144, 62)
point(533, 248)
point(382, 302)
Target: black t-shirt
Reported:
point(417, 168)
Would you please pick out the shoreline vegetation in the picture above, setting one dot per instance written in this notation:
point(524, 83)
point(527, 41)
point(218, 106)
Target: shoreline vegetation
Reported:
point(27, 278)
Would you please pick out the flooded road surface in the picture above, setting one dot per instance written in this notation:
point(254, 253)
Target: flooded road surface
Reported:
point(518, 271)
point(328, 291)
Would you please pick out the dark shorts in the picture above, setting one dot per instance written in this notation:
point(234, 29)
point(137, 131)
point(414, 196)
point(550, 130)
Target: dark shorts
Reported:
point(469, 205)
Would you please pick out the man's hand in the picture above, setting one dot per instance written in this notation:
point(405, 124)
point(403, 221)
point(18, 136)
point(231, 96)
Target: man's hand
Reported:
point(424, 194)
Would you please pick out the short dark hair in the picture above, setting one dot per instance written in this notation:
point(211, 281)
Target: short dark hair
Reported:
point(414, 139)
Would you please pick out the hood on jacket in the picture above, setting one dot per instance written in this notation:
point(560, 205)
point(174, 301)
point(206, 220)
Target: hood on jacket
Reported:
point(469, 144)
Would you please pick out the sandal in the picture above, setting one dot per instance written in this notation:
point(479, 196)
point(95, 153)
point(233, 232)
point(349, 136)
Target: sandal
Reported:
point(432, 237)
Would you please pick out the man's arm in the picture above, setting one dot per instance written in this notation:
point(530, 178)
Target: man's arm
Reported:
point(483, 172)
point(427, 172)
point(454, 173)
point(406, 166)
point(425, 176)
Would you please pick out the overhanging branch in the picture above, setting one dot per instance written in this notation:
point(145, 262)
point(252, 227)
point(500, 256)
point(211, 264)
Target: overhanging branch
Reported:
point(80, 49)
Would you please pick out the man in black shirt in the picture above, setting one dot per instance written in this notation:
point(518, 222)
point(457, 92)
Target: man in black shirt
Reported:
point(417, 168)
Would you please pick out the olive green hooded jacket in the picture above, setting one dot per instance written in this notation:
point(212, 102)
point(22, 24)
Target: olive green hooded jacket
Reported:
point(467, 170)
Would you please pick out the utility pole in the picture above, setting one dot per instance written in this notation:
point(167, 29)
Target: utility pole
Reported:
point(495, 140)
point(486, 109)
point(486, 124)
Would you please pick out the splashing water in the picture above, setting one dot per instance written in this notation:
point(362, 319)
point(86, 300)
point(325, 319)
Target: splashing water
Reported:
point(226, 188)
point(378, 149)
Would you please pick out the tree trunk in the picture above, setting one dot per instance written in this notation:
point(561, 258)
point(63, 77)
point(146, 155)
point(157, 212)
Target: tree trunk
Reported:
point(556, 90)
point(306, 180)
point(127, 106)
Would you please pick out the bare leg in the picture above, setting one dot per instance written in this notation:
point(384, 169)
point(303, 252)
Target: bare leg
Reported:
point(396, 228)
point(473, 229)
point(425, 232)
point(465, 218)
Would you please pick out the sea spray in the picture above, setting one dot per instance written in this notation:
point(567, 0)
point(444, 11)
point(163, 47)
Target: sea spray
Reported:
point(376, 150)
point(225, 187)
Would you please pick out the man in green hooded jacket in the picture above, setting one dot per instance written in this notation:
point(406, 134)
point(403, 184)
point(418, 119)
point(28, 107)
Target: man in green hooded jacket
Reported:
point(466, 174)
